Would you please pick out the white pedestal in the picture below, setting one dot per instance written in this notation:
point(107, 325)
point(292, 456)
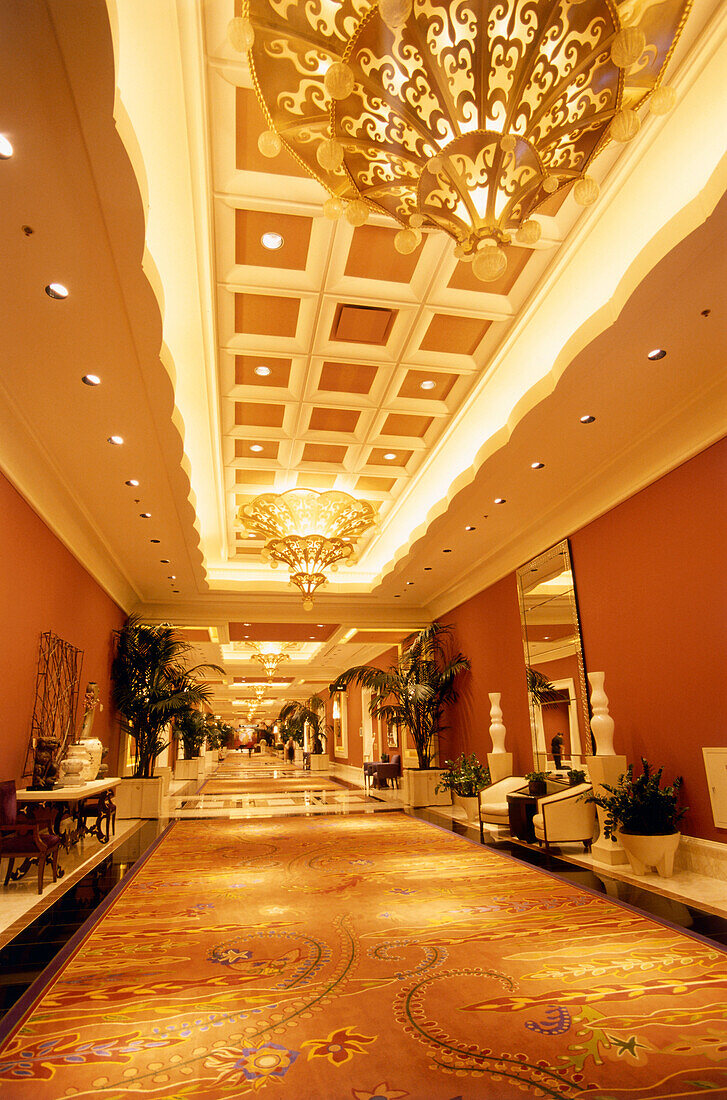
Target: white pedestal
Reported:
point(418, 787)
point(606, 769)
point(319, 762)
point(500, 765)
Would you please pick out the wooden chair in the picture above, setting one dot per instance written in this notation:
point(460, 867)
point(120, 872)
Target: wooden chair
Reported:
point(26, 837)
point(101, 807)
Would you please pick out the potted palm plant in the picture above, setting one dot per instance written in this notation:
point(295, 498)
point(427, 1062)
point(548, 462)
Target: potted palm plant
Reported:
point(465, 778)
point(151, 685)
point(643, 816)
point(191, 728)
point(414, 693)
point(292, 720)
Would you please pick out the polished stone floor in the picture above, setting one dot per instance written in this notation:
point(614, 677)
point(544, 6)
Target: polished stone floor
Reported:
point(33, 929)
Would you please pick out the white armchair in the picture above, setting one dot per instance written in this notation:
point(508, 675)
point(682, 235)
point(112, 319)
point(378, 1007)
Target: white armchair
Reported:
point(493, 801)
point(565, 817)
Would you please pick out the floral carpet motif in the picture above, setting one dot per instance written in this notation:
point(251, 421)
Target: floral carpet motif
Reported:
point(373, 958)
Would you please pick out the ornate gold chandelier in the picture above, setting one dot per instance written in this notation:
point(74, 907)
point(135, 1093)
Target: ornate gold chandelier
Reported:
point(308, 531)
point(459, 115)
point(270, 656)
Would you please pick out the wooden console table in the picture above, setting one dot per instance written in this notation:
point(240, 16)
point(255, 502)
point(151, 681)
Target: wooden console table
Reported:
point(69, 800)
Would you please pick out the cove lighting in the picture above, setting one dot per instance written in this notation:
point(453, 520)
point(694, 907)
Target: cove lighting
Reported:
point(272, 241)
point(91, 380)
point(56, 290)
point(6, 148)
point(117, 440)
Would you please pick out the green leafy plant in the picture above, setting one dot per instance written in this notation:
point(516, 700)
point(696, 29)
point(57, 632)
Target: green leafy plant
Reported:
point(414, 691)
point(465, 777)
point(537, 782)
point(191, 727)
point(537, 777)
point(219, 734)
point(540, 687)
point(576, 776)
point(641, 806)
point(152, 685)
point(293, 717)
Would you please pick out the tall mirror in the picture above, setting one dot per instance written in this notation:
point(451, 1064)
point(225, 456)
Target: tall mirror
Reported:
point(557, 692)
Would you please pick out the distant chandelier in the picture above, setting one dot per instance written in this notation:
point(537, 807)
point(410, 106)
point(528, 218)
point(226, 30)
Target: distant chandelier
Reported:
point(464, 116)
point(270, 657)
point(308, 531)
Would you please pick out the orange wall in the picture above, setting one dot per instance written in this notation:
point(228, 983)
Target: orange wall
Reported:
point(652, 590)
point(43, 587)
point(487, 630)
point(652, 593)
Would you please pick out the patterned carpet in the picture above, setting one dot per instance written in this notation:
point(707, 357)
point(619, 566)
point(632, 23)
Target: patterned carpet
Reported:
point(366, 957)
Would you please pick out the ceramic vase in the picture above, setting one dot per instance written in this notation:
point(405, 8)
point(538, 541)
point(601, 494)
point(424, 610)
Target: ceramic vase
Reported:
point(94, 747)
point(602, 724)
point(70, 771)
point(497, 729)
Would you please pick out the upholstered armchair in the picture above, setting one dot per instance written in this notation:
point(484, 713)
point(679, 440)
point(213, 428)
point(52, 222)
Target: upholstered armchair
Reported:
point(26, 837)
point(378, 771)
point(493, 801)
point(566, 817)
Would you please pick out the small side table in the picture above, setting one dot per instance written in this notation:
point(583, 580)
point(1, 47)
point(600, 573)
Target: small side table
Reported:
point(522, 808)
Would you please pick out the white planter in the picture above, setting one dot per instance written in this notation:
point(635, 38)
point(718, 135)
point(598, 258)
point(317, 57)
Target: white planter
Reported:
point(319, 762)
point(189, 769)
point(650, 851)
point(418, 787)
point(468, 807)
point(141, 798)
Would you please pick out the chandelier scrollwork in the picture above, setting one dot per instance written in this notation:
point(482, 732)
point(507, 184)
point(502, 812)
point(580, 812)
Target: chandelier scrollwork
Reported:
point(458, 115)
point(308, 531)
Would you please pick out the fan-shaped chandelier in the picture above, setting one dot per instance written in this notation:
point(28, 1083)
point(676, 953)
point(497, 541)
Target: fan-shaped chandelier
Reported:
point(270, 656)
point(308, 531)
point(460, 115)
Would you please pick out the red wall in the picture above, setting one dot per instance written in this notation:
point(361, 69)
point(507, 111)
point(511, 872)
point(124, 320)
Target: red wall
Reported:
point(487, 630)
point(43, 587)
point(652, 590)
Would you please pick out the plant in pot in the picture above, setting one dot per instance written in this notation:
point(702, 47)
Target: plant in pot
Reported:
point(293, 719)
point(537, 783)
point(413, 693)
point(465, 778)
point(576, 776)
point(643, 816)
point(192, 730)
point(152, 685)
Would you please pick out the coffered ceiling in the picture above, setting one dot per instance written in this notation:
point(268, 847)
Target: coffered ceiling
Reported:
point(144, 121)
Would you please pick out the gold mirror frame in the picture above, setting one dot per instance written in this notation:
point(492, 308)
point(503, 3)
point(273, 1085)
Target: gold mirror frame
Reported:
point(547, 597)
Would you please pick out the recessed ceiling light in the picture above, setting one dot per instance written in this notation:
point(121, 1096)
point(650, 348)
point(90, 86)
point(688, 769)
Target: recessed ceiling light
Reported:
point(446, 551)
point(587, 419)
point(427, 568)
point(272, 241)
point(117, 440)
point(428, 384)
point(256, 447)
point(397, 595)
point(537, 465)
point(91, 380)
point(500, 500)
point(164, 561)
point(410, 582)
point(175, 591)
point(656, 353)
point(470, 528)
point(144, 515)
point(56, 290)
point(157, 541)
point(132, 482)
point(263, 371)
point(246, 624)
point(171, 577)
point(6, 148)
point(389, 456)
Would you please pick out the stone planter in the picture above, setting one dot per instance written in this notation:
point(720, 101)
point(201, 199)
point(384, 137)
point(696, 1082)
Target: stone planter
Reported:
point(468, 806)
point(142, 798)
point(319, 762)
point(650, 851)
point(418, 787)
point(187, 770)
